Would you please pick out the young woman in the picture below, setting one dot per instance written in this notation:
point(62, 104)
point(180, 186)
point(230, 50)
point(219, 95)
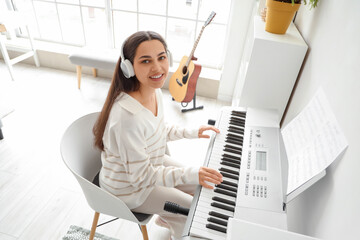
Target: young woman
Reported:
point(132, 135)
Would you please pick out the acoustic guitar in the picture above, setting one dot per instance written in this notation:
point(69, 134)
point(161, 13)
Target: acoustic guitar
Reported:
point(182, 84)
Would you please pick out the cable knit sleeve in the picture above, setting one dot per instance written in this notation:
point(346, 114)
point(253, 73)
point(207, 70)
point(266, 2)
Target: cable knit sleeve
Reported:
point(137, 167)
point(175, 132)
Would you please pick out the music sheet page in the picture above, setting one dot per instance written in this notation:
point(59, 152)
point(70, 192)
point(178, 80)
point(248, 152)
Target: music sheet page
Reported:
point(313, 140)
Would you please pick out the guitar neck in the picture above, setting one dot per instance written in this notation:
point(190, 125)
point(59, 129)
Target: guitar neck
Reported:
point(195, 45)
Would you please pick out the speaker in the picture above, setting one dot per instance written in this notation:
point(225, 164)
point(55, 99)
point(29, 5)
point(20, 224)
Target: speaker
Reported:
point(128, 69)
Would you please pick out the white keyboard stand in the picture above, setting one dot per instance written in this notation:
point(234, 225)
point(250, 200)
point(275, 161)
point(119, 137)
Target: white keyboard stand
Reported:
point(8, 21)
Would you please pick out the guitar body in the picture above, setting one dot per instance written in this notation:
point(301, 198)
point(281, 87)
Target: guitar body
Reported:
point(182, 84)
point(179, 81)
point(192, 84)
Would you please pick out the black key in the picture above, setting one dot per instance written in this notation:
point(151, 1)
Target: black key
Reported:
point(216, 227)
point(235, 131)
point(237, 117)
point(233, 147)
point(231, 156)
point(223, 206)
point(230, 164)
point(226, 170)
point(240, 129)
point(235, 142)
point(235, 123)
point(219, 215)
point(229, 175)
point(226, 187)
point(223, 200)
point(234, 136)
point(229, 183)
point(217, 221)
point(238, 113)
point(234, 139)
point(231, 160)
point(232, 151)
point(231, 194)
point(241, 122)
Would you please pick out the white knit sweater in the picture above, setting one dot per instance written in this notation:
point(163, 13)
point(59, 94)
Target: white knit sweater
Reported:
point(134, 151)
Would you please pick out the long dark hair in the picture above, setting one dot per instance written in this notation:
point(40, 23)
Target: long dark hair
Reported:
point(120, 83)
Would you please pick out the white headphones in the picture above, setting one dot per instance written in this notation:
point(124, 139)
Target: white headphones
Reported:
point(128, 69)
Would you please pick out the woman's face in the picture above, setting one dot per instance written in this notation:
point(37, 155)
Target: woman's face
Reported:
point(151, 64)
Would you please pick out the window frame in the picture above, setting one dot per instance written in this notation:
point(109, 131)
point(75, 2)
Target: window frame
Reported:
point(109, 14)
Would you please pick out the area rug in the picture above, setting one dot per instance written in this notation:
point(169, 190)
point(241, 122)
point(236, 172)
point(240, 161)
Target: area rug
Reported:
point(79, 233)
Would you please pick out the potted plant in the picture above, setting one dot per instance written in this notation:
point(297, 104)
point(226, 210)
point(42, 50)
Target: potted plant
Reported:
point(279, 14)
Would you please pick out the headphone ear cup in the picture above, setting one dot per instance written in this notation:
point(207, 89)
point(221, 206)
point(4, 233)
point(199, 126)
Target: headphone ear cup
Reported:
point(127, 68)
point(170, 58)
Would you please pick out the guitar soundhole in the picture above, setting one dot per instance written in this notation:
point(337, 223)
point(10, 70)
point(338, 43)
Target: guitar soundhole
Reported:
point(184, 69)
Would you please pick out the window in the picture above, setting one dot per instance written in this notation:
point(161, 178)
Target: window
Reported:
point(107, 23)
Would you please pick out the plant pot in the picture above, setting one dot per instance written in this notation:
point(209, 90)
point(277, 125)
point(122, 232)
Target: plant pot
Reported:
point(279, 16)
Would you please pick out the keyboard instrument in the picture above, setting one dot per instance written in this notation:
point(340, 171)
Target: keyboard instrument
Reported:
point(247, 153)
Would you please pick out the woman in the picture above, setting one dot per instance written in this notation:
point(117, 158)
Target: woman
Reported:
point(132, 135)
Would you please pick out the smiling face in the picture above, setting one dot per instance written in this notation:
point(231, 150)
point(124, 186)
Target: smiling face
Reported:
point(151, 64)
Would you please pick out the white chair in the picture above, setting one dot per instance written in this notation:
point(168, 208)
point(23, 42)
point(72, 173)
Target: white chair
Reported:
point(83, 159)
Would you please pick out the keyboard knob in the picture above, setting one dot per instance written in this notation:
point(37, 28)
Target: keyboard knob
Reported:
point(211, 122)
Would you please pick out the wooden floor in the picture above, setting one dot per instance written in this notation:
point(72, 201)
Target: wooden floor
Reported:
point(39, 198)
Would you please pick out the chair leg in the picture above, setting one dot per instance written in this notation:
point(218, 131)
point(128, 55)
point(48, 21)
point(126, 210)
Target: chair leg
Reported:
point(144, 232)
point(78, 71)
point(94, 72)
point(94, 224)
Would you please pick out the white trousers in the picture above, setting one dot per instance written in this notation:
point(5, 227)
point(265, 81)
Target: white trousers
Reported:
point(181, 195)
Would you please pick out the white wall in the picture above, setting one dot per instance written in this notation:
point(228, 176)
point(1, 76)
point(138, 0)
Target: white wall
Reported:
point(331, 208)
point(238, 25)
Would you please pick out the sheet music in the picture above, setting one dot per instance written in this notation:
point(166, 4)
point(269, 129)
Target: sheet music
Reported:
point(313, 140)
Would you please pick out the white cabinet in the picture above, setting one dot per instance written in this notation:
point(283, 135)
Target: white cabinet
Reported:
point(269, 67)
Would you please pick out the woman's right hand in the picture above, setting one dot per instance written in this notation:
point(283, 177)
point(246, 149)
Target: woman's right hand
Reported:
point(209, 175)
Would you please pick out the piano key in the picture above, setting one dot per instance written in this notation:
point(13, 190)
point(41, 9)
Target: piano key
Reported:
point(229, 175)
point(235, 123)
point(230, 164)
point(238, 113)
point(229, 150)
point(231, 160)
point(226, 187)
point(232, 139)
point(228, 170)
point(232, 147)
point(230, 156)
point(223, 206)
point(217, 221)
point(233, 130)
point(206, 208)
point(223, 200)
point(199, 229)
point(208, 197)
point(216, 227)
point(218, 190)
point(225, 182)
point(211, 194)
point(240, 137)
point(236, 128)
point(219, 215)
point(237, 143)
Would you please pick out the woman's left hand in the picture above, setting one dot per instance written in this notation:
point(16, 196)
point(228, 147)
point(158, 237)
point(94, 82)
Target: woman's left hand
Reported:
point(205, 128)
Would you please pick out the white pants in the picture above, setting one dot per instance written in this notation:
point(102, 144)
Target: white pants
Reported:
point(155, 202)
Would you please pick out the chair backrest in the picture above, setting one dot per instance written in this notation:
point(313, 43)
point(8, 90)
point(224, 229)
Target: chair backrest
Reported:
point(84, 161)
point(78, 150)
